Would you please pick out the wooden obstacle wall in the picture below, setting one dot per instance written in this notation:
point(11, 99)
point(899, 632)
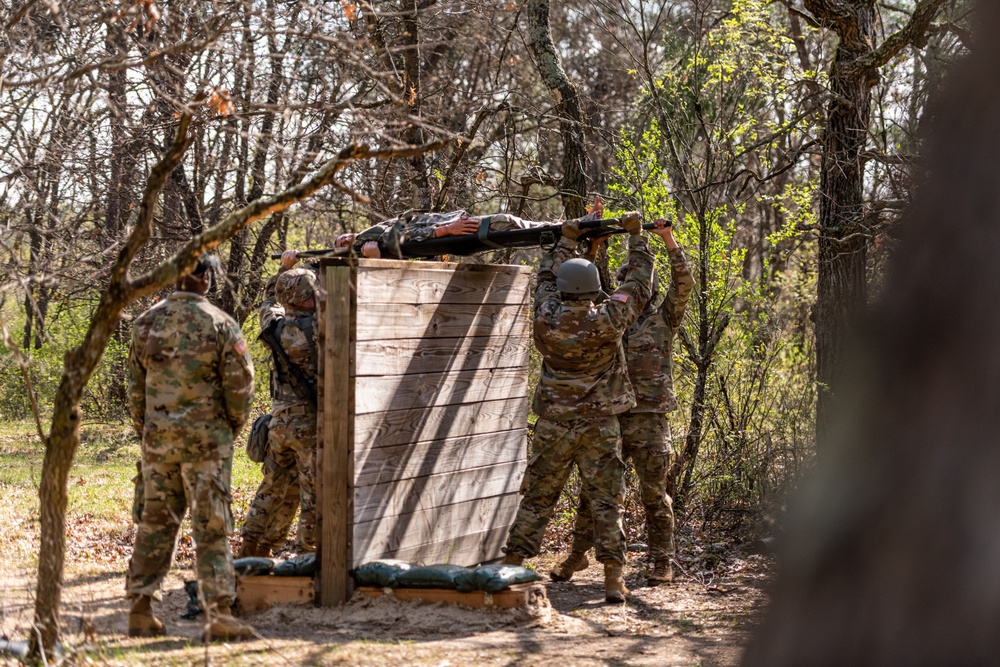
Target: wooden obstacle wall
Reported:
point(423, 413)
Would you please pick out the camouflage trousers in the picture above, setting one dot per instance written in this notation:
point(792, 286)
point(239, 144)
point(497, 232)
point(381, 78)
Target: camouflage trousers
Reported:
point(289, 482)
point(645, 440)
point(594, 446)
point(169, 489)
point(273, 508)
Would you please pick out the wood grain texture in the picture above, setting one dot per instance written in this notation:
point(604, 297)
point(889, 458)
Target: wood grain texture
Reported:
point(386, 464)
point(416, 284)
point(425, 528)
point(388, 321)
point(397, 427)
point(467, 550)
point(336, 456)
point(513, 597)
point(380, 501)
point(425, 390)
point(433, 355)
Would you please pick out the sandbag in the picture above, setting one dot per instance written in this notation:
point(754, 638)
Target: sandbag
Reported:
point(381, 573)
point(253, 565)
point(430, 576)
point(300, 566)
point(494, 578)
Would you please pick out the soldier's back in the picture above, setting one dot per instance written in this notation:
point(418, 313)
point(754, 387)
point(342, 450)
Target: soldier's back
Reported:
point(180, 342)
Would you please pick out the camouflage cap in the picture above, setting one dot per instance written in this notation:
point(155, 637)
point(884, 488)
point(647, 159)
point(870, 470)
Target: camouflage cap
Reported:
point(295, 287)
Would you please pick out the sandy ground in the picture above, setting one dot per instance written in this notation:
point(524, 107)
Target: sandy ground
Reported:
point(693, 622)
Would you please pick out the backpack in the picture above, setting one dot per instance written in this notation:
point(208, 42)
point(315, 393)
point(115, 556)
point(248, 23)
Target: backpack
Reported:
point(257, 442)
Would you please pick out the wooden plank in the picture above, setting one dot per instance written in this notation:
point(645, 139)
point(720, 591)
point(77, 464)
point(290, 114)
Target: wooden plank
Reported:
point(393, 535)
point(386, 429)
point(467, 550)
point(434, 355)
point(255, 593)
point(385, 321)
point(387, 464)
point(417, 284)
point(513, 597)
point(424, 390)
point(335, 474)
point(420, 493)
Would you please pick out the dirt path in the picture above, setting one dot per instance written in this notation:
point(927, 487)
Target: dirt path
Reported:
point(689, 623)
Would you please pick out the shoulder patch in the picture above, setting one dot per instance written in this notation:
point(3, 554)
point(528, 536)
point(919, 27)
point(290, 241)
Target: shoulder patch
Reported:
point(241, 346)
point(620, 297)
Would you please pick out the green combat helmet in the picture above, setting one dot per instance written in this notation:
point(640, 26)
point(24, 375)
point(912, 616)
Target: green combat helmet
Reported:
point(295, 286)
point(578, 276)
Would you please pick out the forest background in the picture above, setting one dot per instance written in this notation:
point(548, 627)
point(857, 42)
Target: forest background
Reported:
point(781, 138)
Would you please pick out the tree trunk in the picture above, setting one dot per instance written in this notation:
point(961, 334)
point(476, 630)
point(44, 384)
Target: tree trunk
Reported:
point(573, 185)
point(841, 291)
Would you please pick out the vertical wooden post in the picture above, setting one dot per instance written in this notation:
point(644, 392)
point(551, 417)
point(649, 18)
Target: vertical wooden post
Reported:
point(336, 455)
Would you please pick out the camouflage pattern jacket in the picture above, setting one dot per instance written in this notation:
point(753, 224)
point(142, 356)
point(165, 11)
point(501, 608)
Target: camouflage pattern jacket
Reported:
point(421, 226)
point(649, 342)
point(297, 331)
point(191, 380)
point(583, 360)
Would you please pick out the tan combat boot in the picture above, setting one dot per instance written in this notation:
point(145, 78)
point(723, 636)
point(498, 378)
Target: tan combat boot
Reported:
point(224, 627)
point(576, 562)
point(141, 622)
point(614, 583)
point(662, 573)
point(253, 550)
point(513, 559)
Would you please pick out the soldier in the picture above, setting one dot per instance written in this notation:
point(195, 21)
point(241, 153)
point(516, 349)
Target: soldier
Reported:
point(423, 226)
point(645, 428)
point(190, 392)
point(290, 466)
point(583, 387)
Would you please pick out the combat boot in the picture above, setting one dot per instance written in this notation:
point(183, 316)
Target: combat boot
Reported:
point(224, 627)
point(513, 559)
point(576, 562)
point(662, 573)
point(253, 550)
point(141, 622)
point(614, 583)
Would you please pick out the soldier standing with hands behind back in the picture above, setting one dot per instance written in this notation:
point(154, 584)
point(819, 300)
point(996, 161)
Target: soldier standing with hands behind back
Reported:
point(645, 429)
point(190, 392)
point(583, 387)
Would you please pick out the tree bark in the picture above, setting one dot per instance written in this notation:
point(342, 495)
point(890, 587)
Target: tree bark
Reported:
point(841, 291)
point(573, 184)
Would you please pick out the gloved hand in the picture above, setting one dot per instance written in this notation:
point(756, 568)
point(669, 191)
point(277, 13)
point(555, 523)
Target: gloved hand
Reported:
point(632, 221)
point(571, 229)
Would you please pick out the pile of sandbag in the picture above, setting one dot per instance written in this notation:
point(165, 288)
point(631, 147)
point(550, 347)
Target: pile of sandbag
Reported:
point(400, 574)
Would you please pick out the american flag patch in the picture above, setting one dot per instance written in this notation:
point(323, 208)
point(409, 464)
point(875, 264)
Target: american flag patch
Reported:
point(620, 297)
point(241, 346)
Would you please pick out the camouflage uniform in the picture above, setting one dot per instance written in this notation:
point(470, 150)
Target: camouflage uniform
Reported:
point(290, 466)
point(421, 226)
point(190, 392)
point(645, 428)
point(583, 388)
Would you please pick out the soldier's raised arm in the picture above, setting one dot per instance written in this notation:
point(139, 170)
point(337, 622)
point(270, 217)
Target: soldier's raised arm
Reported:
point(236, 370)
point(628, 301)
point(681, 280)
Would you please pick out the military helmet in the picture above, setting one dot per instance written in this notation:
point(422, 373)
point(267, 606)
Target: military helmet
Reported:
point(623, 273)
point(295, 286)
point(578, 276)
